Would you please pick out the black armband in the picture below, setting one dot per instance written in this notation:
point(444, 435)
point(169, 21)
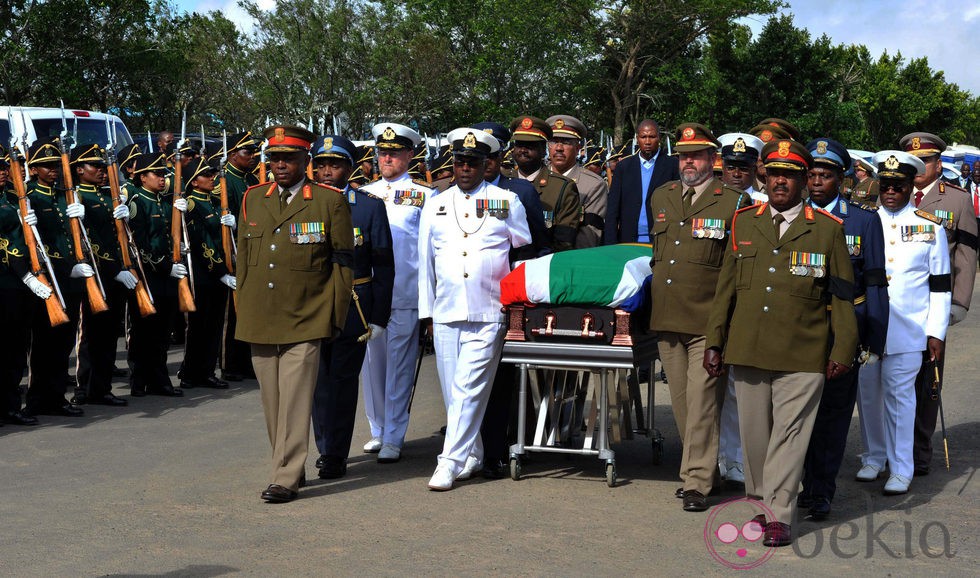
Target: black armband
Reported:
point(594, 220)
point(968, 239)
point(840, 288)
point(940, 283)
point(875, 278)
point(343, 258)
point(383, 258)
point(564, 233)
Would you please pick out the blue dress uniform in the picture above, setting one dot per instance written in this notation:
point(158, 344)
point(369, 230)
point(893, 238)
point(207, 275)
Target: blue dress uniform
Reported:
point(335, 396)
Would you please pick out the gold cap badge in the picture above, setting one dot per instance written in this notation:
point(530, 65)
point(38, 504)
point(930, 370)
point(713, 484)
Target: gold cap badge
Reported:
point(822, 147)
point(891, 163)
point(784, 149)
point(739, 146)
point(388, 134)
point(470, 141)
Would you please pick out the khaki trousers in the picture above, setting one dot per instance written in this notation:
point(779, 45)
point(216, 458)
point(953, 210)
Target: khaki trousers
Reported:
point(696, 400)
point(287, 379)
point(776, 412)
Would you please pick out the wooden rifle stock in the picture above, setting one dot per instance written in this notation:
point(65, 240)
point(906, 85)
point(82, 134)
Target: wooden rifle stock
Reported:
point(185, 298)
point(96, 299)
point(263, 173)
point(226, 242)
point(143, 299)
point(56, 311)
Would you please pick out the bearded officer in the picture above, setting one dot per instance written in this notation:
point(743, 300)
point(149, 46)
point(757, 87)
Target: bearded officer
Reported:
point(465, 238)
point(564, 147)
point(786, 260)
point(335, 398)
point(955, 207)
point(294, 286)
point(389, 362)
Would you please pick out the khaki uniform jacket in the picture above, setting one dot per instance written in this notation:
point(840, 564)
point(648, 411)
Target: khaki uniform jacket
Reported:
point(562, 208)
point(866, 192)
point(685, 267)
point(955, 207)
point(289, 290)
point(594, 194)
point(765, 316)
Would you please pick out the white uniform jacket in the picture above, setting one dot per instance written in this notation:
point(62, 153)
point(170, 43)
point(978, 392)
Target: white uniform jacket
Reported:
point(464, 243)
point(917, 269)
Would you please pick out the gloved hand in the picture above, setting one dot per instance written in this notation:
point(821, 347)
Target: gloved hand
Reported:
point(75, 211)
point(872, 359)
point(121, 212)
point(30, 219)
point(181, 205)
point(82, 270)
point(178, 271)
point(128, 280)
point(230, 281)
point(376, 331)
point(228, 220)
point(39, 289)
point(957, 313)
point(122, 196)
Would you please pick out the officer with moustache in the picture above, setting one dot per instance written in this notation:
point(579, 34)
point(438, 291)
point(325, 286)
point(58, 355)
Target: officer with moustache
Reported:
point(335, 396)
point(564, 147)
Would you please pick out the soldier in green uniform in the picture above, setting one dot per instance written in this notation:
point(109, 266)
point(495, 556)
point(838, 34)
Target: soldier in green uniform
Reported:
point(363, 167)
point(866, 189)
point(99, 333)
point(559, 195)
point(211, 279)
point(127, 162)
point(149, 336)
point(786, 286)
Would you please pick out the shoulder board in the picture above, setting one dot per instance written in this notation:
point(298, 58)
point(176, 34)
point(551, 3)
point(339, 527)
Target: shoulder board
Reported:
point(759, 208)
point(370, 195)
point(943, 184)
point(422, 182)
point(258, 185)
point(864, 206)
point(831, 215)
point(928, 216)
point(674, 184)
point(329, 188)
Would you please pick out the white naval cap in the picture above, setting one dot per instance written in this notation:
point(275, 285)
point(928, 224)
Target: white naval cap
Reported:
point(740, 146)
point(468, 141)
point(389, 135)
point(898, 165)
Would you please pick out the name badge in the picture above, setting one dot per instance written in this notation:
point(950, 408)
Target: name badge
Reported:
point(549, 218)
point(498, 208)
point(806, 264)
point(358, 237)
point(708, 228)
point(306, 233)
point(411, 197)
point(853, 245)
point(918, 233)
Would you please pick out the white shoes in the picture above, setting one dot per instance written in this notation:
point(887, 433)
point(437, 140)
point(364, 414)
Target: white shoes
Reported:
point(373, 446)
point(868, 473)
point(442, 479)
point(735, 473)
point(897, 485)
point(470, 468)
point(389, 454)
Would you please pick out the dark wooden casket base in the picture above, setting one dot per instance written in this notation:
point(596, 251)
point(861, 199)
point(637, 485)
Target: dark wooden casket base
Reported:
point(575, 324)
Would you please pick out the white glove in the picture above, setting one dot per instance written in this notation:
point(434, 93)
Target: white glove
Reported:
point(376, 331)
point(75, 211)
point(121, 212)
point(128, 280)
point(82, 270)
point(230, 281)
point(872, 359)
point(178, 271)
point(39, 289)
point(31, 220)
point(181, 205)
point(228, 220)
point(957, 313)
point(123, 197)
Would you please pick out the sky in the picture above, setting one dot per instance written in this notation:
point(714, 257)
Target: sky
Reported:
point(944, 31)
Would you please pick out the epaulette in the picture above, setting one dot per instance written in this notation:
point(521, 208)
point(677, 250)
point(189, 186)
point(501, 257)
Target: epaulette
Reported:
point(258, 185)
point(422, 183)
point(953, 186)
point(864, 206)
point(928, 216)
point(371, 195)
point(831, 215)
point(330, 188)
point(748, 208)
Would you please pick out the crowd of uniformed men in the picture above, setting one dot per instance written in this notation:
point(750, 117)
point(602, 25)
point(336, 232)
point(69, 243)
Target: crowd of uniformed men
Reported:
point(791, 282)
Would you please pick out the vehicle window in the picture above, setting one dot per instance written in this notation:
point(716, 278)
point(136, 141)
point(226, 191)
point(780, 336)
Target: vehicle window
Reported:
point(4, 133)
point(89, 130)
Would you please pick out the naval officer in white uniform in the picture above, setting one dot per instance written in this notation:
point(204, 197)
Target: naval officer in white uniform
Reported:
point(919, 296)
point(389, 363)
point(465, 239)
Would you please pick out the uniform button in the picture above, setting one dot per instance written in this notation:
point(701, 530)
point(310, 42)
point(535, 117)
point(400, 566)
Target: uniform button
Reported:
point(775, 251)
point(272, 248)
point(888, 277)
point(466, 235)
point(772, 269)
point(272, 285)
point(465, 275)
point(768, 289)
point(681, 223)
point(890, 259)
point(277, 230)
point(668, 281)
point(466, 215)
point(464, 253)
point(892, 241)
point(677, 242)
point(765, 309)
point(894, 226)
point(671, 261)
point(272, 265)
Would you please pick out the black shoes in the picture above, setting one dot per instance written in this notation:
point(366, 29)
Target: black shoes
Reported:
point(106, 399)
point(820, 508)
point(694, 501)
point(496, 470)
point(331, 467)
point(18, 418)
point(64, 410)
point(276, 494)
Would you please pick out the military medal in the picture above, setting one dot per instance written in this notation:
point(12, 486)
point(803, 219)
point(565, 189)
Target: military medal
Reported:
point(708, 228)
point(498, 208)
point(358, 237)
point(805, 264)
point(918, 233)
point(853, 245)
point(306, 233)
point(410, 197)
point(549, 218)
point(947, 217)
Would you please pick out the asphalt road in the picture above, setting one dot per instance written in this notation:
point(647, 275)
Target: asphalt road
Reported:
point(170, 487)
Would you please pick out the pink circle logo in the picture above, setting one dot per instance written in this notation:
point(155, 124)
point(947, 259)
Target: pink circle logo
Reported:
point(733, 534)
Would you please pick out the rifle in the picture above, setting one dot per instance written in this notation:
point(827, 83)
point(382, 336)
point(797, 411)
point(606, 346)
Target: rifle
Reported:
point(178, 233)
point(55, 303)
point(227, 240)
point(127, 247)
point(79, 236)
point(263, 170)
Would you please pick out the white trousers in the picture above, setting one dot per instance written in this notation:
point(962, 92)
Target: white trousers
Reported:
point(466, 358)
point(730, 444)
point(886, 401)
point(387, 374)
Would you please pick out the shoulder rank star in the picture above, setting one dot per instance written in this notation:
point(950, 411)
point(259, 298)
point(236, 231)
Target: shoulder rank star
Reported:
point(806, 264)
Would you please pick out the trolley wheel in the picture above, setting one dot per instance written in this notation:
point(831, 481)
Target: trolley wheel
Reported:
point(658, 452)
point(516, 469)
point(611, 474)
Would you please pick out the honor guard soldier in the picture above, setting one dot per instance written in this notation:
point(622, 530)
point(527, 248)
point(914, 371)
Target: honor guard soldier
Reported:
point(866, 246)
point(335, 397)
point(595, 159)
point(127, 162)
point(294, 287)
point(212, 281)
point(149, 337)
point(866, 190)
point(955, 207)
point(691, 220)
point(919, 285)
point(465, 238)
point(559, 195)
point(51, 346)
point(615, 156)
point(99, 334)
point(564, 147)
point(786, 261)
point(363, 167)
point(389, 362)
point(235, 358)
point(442, 169)
point(16, 303)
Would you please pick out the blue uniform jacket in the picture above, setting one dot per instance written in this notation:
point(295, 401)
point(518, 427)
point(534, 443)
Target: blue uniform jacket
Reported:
point(528, 196)
point(373, 259)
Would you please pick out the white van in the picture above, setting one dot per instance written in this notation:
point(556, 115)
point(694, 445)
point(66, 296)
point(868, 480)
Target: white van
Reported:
point(85, 126)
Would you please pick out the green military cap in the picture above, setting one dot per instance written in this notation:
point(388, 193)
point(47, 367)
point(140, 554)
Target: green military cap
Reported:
point(196, 168)
point(564, 126)
point(44, 151)
point(365, 154)
point(128, 153)
point(148, 162)
point(189, 148)
point(92, 154)
point(594, 155)
point(242, 140)
point(213, 151)
point(786, 154)
point(693, 137)
point(898, 165)
point(624, 150)
point(286, 138)
point(922, 144)
point(530, 129)
point(775, 128)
